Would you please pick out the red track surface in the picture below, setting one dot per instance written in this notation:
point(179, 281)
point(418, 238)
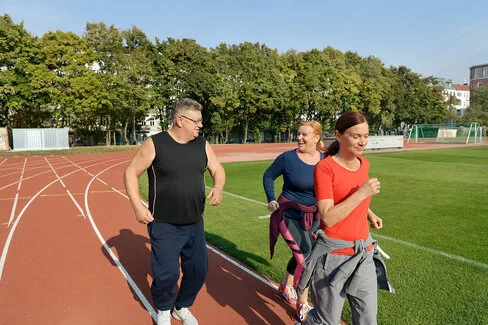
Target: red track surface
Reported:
point(60, 218)
point(54, 266)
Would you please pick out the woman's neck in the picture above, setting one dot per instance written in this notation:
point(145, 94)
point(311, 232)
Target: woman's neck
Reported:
point(349, 162)
point(309, 157)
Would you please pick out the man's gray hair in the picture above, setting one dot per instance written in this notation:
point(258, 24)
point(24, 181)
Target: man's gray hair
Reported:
point(185, 104)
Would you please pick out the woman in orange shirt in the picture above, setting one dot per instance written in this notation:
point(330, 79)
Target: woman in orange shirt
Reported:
point(343, 191)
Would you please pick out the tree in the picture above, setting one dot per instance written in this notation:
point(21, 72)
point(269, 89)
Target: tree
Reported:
point(64, 57)
point(136, 73)
point(478, 108)
point(259, 85)
point(189, 70)
point(107, 45)
point(375, 91)
point(17, 49)
point(225, 99)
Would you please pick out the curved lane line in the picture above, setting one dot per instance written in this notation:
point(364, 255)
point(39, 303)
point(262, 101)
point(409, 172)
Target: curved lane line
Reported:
point(16, 222)
point(47, 171)
point(14, 206)
point(122, 269)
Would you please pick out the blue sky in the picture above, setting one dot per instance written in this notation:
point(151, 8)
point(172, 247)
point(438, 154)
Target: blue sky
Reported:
point(431, 37)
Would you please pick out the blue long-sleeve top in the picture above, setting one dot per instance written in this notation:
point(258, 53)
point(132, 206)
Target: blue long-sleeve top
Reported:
point(297, 178)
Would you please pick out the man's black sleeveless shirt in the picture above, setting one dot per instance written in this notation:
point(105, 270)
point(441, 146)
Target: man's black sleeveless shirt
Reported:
point(176, 180)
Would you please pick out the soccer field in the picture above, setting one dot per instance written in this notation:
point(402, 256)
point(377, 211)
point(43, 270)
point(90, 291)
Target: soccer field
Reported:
point(433, 205)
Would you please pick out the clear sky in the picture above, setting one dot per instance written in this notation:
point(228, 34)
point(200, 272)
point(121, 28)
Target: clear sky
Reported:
point(431, 37)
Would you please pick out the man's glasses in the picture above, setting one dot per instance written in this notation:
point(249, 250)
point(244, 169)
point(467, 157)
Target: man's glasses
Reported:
point(194, 121)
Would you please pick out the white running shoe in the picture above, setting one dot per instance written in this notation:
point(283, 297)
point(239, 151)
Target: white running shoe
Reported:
point(185, 316)
point(164, 317)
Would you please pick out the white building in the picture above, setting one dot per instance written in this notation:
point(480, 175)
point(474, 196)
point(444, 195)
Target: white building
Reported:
point(461, 92)
point(151, 125)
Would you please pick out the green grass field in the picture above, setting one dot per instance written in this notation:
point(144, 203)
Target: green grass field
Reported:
point(433, 204)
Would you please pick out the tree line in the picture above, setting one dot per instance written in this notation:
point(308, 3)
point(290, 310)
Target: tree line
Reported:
point(105, 81)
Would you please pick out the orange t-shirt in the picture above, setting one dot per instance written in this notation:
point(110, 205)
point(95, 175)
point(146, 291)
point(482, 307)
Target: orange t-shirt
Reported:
point(332, 181)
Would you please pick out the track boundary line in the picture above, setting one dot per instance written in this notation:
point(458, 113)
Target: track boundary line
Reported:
point(121, 268)
point(398, 241)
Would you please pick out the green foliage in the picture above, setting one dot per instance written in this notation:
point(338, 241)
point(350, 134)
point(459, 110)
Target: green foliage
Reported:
point(478, 110)
point(107, 80)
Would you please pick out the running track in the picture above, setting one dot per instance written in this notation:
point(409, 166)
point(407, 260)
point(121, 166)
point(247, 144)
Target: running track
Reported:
point(72, 252)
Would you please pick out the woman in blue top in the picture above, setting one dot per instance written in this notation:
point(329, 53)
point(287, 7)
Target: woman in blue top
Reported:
point(295, 211)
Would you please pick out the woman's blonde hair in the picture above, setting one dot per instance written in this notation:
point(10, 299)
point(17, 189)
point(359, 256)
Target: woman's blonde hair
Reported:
point(317, 130)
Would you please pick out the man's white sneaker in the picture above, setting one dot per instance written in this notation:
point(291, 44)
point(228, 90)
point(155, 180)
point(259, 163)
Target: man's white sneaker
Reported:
point(185, 316)
point(164, 317)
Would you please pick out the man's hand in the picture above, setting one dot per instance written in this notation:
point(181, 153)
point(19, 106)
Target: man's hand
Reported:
point(143, 215)
point(215, 196)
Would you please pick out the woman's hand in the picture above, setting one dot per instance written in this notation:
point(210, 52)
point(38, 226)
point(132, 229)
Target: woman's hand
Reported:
point(375, 221)
point(370, 187)
point(273, 205)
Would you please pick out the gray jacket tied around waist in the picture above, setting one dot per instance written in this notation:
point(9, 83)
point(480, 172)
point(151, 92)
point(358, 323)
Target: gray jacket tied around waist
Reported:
point(324, 245)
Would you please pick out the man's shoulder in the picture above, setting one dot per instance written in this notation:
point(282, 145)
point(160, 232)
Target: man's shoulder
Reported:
point(159, 134)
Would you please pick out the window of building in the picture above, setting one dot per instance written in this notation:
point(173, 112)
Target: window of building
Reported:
point(485, 72)
point(478, 72)
point(480, 83)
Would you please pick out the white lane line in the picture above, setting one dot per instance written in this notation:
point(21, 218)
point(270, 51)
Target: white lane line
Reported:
point(86, 171)
point(116, 190)
point(221, 254)
point(426, 249)
point(21, 175)
point(3, 161)
point(44, 172)
point(241, 197)
point(6, 247)
point(35, 175)
point(64, 186)
point(264, 217)
point(13, 209)
point(14, 206)
point(76, 203)
point(16, 182)
point(434, 251)
point(245, 269)
point(121, 268)
point(101, 181)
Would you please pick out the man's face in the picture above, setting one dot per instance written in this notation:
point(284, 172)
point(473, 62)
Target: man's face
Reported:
point(191, 122)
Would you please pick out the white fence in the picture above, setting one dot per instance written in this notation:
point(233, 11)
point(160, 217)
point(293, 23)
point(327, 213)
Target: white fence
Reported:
point(377, 142)
point(385, 142)
point(40, 139)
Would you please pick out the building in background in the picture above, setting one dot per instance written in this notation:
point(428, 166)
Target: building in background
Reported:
point(478, 76)
point(462, 92)
point(458, 91)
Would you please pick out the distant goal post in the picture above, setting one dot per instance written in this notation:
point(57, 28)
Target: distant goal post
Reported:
point(462, 133)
